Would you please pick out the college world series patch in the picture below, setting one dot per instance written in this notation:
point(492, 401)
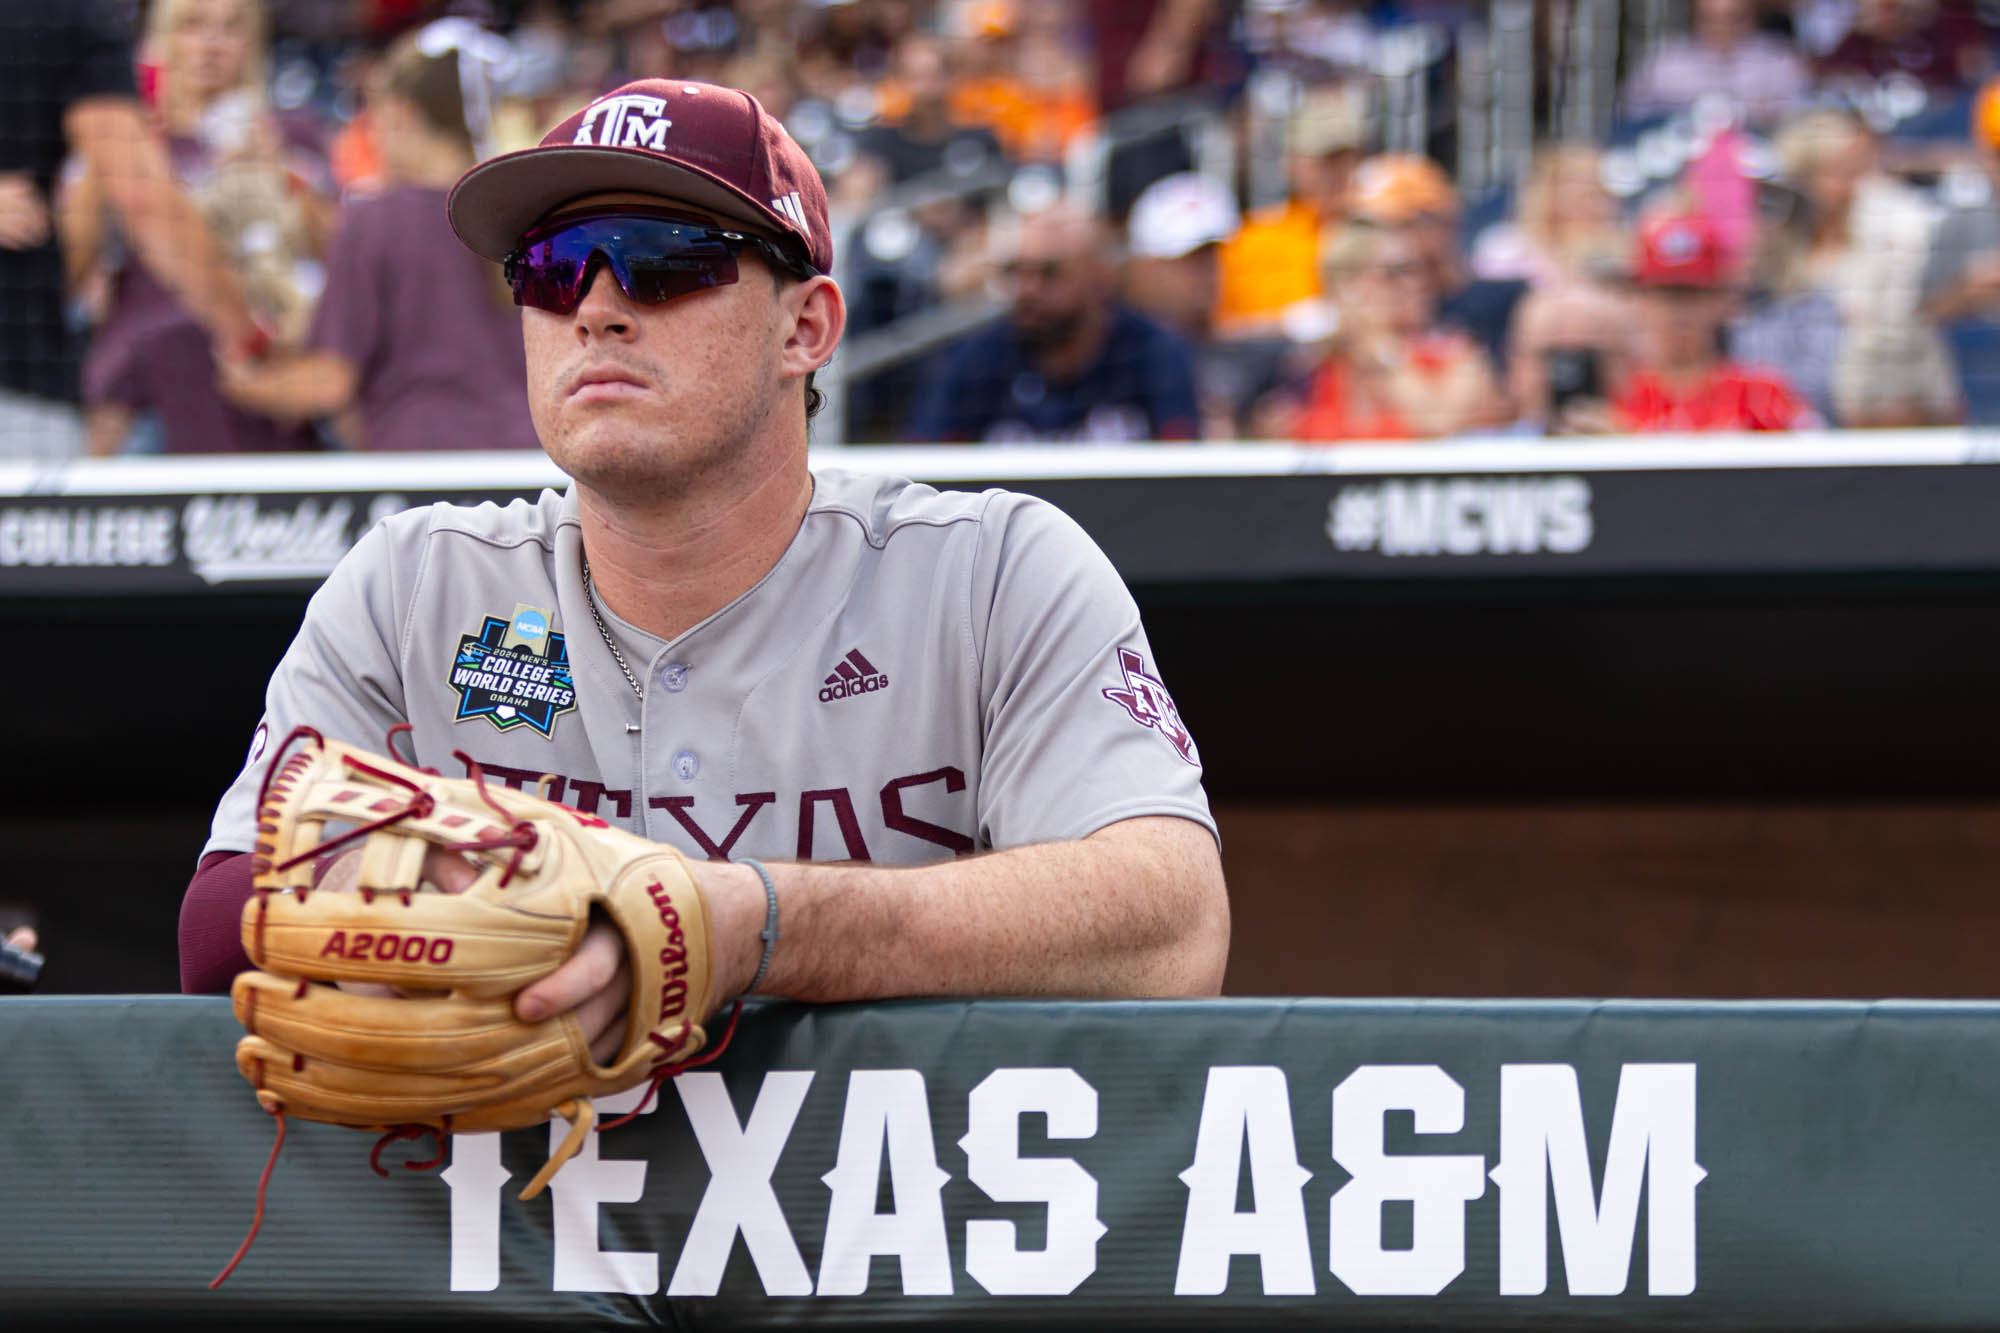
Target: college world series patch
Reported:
point(514, 673)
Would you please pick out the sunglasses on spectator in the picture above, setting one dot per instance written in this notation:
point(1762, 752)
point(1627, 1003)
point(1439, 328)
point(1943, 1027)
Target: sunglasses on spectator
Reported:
point(654, 256)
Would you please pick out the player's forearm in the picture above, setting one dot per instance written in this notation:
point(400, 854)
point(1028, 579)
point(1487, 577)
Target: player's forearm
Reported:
point(211, 945)
point(1136, 910)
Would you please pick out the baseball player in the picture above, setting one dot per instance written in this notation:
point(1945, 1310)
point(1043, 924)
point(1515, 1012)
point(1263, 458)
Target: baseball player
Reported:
point(937, 713)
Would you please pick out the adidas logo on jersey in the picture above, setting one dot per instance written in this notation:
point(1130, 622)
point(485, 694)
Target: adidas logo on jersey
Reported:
point(852, 675)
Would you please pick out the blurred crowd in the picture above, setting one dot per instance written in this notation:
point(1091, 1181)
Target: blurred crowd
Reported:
point(1053, 226)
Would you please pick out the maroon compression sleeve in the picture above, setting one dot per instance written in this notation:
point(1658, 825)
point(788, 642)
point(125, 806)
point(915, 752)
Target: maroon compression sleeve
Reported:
point(211, 940)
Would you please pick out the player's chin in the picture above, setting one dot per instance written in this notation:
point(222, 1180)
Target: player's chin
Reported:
point(620, 454)
point(614, 424)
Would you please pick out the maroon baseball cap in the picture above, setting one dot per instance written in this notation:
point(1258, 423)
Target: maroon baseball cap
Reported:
point(713, 148)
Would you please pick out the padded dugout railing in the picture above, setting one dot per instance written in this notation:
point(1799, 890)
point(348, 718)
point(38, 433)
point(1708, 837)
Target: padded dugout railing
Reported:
point(1234, 1164)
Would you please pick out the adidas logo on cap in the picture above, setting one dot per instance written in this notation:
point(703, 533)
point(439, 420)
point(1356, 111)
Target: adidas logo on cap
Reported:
point(852, 675)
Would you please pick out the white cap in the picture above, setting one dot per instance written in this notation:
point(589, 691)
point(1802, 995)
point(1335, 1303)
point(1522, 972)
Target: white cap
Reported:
point(1177, 215)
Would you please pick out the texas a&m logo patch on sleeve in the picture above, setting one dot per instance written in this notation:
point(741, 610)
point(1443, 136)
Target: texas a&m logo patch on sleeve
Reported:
point(1147, 700)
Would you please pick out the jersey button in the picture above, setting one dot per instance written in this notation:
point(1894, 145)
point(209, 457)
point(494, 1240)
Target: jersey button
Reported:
point(674, 676)
point(687, 763)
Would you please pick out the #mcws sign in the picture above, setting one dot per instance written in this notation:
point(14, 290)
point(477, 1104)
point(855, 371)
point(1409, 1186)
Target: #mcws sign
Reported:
point(1461, 516)
point(1540, 1161)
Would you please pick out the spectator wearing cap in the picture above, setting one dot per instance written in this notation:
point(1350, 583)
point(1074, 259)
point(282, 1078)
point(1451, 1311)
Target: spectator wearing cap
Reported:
point(1682, 382)
point(1410, 191)
point(1271, 267)
point(417, 344)
point(1067, 364)
point(1961, 282)
point(1725, 56)
point(1174, 240)
point(1390, 371)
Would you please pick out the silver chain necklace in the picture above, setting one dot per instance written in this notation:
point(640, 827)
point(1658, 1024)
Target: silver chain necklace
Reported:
point(590, 599)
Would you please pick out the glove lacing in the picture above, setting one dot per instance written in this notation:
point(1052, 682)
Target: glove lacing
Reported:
point(521, 837)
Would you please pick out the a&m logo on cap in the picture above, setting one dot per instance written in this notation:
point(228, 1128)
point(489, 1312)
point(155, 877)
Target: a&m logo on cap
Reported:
point(627, 121)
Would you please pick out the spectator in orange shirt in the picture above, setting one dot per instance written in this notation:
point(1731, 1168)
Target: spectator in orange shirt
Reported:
point(1020, 76)
point(1682, 381)
point(1271, 268)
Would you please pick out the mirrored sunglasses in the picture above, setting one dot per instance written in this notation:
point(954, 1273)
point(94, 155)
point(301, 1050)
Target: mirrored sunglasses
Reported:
point(654, 257)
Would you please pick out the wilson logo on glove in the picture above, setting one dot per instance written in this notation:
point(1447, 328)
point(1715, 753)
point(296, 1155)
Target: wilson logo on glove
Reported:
point(673, 955)
point(452, 1056)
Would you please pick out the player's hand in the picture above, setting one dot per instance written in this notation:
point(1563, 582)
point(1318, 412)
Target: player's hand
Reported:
point(596, 982)
point(23, 937)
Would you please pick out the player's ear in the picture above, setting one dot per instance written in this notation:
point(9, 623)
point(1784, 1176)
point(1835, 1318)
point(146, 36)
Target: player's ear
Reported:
point(817, 315)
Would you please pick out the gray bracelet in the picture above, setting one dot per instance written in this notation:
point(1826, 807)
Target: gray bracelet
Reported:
point(769, 934)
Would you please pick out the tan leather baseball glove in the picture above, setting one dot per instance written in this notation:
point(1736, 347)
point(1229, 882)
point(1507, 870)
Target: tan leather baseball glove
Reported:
point(448, 1054)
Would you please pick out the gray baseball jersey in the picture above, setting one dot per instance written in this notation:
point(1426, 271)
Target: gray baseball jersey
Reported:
point(922, 674)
